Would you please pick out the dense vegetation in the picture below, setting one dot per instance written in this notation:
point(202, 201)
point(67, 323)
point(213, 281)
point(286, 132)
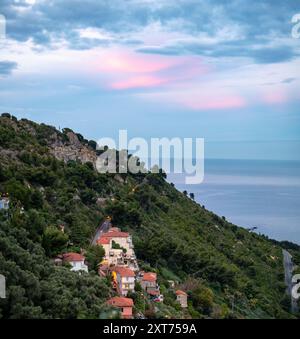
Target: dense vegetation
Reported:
point(227, 271)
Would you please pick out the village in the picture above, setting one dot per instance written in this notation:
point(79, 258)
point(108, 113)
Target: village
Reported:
point(121, 266)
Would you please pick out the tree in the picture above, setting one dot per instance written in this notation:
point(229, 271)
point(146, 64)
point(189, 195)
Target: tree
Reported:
point(145, 196)
point(36, 199)
point(93, 144)
point(17, 191)
point(192, 196)
point(109, 312)
point(54, 241)
point(203, 297)
point(88, 196)
point(94, 255)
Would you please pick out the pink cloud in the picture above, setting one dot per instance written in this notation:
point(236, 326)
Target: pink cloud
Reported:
point(123, 69)
point(275, 97)
point(193, 100)
point(217, 103)
point(123, 61)
point(138, 82)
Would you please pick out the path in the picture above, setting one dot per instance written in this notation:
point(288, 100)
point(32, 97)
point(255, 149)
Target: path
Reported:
point(101, 229)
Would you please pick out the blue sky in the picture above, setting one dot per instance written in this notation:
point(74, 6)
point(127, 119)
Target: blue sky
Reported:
point(227, 71)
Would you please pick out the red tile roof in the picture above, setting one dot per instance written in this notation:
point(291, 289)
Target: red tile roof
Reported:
point(73, 257)
point(114, 229)
point(120, 302)
point(154, 293)
point(150, 276)
point(124, 271)
point(115, 234)
point(103, 241)
point(179, 292)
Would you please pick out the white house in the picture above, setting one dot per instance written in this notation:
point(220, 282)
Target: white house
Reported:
point(77, 261)
point(121, 238)
point(118, 248)
point(4, 203)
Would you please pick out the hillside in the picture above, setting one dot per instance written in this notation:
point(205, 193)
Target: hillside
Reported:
point(51, 181)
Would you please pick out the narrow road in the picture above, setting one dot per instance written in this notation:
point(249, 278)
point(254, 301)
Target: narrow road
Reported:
point(101, 229)
point(288, 269)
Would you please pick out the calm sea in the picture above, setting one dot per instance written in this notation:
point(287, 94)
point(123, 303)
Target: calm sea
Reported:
point(252, 193)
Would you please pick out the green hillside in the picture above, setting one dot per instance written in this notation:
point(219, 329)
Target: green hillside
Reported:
point(227, 271)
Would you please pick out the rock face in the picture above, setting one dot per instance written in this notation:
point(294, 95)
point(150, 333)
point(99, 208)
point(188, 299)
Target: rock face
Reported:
point(64, 146)
point(72, 150)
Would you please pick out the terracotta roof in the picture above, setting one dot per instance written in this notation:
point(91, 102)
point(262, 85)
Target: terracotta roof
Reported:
point(116, 234)
point(179, 292)
point(103, 241)
point(124, 271)
point(154, 293)
point(73, 257)
point(149, 276)
point(114, 229)
point(120, 302)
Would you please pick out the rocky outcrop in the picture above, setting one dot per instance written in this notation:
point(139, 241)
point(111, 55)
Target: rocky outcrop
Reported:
point(71, 150)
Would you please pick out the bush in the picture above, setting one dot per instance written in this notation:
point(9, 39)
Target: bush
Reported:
point(202, 299)
point(54, 241)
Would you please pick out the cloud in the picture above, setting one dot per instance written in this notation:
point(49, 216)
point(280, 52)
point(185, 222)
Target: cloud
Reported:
point(288, 80)
point(234, 28)
point(125, 61)
point(125, 69)
point(275, 97)
point(179, 47)
point(139, 82)
point(273, 55)
point(259, 54)
point(7, 67)
point(203, 99)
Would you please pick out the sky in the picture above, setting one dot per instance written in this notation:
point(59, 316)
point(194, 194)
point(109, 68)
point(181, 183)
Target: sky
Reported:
point(227, 71)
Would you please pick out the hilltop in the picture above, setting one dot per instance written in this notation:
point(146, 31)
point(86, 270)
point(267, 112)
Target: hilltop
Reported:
point(51, 180)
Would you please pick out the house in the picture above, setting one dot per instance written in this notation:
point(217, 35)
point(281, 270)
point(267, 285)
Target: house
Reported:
point(124, 304)
point(124, 279)
point(123, 239)
point(4, 203)
point(182, 298)
point(118, 248)
point(149, 283)
point(77, 261)
point(113, 256)
point(105, 243)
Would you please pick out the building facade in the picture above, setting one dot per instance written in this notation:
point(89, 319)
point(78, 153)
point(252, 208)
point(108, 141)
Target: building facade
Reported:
point(77, 261)
point(149, 283)
point(182, 298)
point(124, 279)
point(4, 203)
point(123, 304)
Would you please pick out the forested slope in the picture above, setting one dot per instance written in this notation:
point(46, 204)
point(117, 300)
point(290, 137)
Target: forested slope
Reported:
point(51, 181)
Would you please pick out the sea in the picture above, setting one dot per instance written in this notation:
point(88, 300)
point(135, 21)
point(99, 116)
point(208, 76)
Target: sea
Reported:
point(251, 193)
